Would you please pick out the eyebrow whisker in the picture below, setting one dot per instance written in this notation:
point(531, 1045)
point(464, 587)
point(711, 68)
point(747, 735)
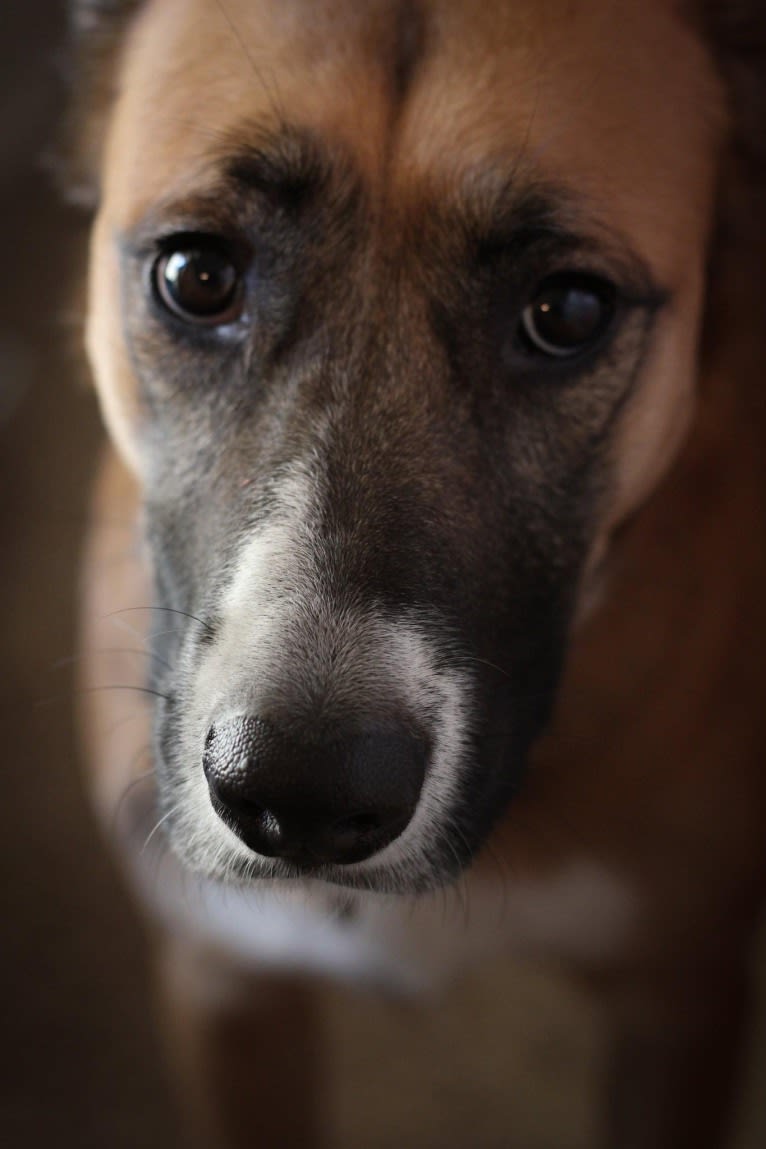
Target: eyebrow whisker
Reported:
point(271, 90)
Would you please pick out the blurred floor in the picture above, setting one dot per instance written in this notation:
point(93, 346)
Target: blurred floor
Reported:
point(81, 1064)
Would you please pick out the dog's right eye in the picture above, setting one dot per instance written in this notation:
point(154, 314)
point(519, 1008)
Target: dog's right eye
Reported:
point(569, 313)
point(199, 283)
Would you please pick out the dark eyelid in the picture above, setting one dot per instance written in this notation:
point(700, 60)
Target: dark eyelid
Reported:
point(501, 221)
point(283, 186)
point(273, 174)
point(542, 253)
point(162, 229)
point(235, 248)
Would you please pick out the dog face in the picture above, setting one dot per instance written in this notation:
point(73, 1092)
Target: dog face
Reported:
point(394, 311)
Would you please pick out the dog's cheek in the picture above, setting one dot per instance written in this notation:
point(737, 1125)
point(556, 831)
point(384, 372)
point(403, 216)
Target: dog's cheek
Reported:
point(650, 436)
point(656, 422)
point(115, 382)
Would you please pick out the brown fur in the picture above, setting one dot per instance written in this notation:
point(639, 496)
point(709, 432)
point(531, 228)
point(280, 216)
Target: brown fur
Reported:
point(654, 760)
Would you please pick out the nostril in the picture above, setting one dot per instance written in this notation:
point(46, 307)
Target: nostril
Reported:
point(255, 812)
point(235, 802)
point(364, 823)
point(266, 821)
point(252, 821)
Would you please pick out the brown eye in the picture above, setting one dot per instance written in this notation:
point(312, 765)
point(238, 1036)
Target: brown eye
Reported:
point(569, 313)
point(199, 284)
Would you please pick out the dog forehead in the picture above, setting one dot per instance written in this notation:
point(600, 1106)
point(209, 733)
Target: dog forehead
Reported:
point(619, 102)
point(575, 93)
point(196, 73)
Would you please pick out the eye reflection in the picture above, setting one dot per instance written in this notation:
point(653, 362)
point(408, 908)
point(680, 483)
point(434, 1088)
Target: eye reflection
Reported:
point(569, 313)
point(199, 283)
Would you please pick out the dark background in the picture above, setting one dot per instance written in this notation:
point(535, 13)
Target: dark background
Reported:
point(79, 1063)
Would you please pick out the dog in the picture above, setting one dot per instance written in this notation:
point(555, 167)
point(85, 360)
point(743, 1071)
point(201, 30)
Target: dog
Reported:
point(427, 336)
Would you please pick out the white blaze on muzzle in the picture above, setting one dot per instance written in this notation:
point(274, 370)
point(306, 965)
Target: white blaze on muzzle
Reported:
point(298, 652)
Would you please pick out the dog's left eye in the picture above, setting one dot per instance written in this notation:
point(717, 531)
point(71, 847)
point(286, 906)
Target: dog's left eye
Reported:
point(568, 314)
point(199, 283)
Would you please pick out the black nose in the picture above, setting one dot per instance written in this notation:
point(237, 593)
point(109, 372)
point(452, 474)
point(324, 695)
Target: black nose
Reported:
point(313, 803)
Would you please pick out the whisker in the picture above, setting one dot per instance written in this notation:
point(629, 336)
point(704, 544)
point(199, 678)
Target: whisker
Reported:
point(503, 869)
point(144, 776)
point(462, 883)
point(215, 135)
point(162, 633)
point(120, 722)
point(271, 91)
point(134, 631)
point(160, 822)
point(124, 686)
point(73, 659)
point(486, 662)
point(164, 609)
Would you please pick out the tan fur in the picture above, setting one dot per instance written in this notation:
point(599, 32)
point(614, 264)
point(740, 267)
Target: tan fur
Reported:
point(653, 768)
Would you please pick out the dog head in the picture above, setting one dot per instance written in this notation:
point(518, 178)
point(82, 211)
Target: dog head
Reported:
point(395, 312)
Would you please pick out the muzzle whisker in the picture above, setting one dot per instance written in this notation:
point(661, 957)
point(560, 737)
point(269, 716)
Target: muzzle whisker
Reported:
point(143, 777)
point(461, 887)
point(503, 870)
point(163, 609)
point(159, 823)
point(75, 659)
point(486, 662)
point(125, 686)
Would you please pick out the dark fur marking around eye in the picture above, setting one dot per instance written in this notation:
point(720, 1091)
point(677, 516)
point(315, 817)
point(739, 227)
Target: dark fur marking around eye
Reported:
point(286, 166)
